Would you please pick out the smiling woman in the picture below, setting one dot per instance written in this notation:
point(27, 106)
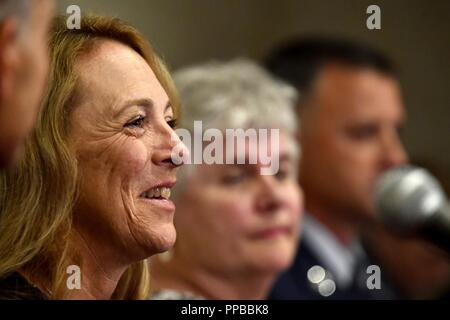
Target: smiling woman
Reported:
point(93, 188)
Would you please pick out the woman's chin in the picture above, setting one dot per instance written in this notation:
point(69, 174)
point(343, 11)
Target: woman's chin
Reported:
point(162, 240)
point(280, 265)
point(276, 262)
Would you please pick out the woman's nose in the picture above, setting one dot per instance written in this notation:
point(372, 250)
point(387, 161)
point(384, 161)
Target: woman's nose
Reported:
point(270, 196)
point(170, 150)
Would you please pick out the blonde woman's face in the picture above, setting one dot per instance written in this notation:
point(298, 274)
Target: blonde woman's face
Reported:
point(121, 132)
point(232, 219)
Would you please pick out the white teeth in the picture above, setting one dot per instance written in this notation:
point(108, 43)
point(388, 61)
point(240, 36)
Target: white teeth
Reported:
point(165, 193)
point(157, 193)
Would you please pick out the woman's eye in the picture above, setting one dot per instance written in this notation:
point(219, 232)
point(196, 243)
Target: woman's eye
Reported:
point(138, 122)
point(231, 180)
point(282, 174)
point(234, 178)
point(172, 123)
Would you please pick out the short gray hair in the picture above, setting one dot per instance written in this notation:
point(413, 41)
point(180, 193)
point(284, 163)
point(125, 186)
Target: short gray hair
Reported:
point(236, 94)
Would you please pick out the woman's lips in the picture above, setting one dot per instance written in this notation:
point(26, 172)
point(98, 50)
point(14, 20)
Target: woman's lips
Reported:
point(164, 204)
point(271, 233)
point(160, 196)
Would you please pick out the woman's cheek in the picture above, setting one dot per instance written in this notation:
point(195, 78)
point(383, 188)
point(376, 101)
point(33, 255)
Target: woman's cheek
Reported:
point(133, 157)
point(294, 199)
point(236, 211)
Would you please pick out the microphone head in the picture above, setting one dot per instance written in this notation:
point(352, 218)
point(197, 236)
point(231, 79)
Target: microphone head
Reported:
point(406, 196)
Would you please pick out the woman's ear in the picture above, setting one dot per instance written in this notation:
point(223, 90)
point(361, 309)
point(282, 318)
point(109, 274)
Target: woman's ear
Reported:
point(9, 57)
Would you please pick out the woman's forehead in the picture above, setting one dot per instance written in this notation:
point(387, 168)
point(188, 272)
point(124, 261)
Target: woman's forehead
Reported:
point(116, 72)
point(111, 62)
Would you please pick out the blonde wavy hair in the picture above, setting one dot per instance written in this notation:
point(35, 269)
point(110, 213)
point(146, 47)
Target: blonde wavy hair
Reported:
point(38, 195)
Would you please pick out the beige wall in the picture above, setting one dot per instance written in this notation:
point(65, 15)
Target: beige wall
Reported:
point(414, 32)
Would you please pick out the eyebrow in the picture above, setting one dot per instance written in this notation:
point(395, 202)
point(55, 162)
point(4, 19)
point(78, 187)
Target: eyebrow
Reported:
point(285, 157)
point(143, 102)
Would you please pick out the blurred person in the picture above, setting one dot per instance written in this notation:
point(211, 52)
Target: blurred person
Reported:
point(80, 196)
point(352, 116)
point(24, 63)
point(237, 229)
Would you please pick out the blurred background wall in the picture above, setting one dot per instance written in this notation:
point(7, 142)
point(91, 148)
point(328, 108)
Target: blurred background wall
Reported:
point(415, 33)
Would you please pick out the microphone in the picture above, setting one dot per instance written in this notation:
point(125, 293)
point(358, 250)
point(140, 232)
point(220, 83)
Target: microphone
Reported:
point(410, 199)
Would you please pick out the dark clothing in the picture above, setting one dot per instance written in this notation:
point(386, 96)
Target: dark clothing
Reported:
point(16, 287)
point(294, 283)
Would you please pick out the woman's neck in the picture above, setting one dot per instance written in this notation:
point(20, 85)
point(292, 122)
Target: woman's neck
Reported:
point(100, 270)
point(182, 276)
point(90, 272)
